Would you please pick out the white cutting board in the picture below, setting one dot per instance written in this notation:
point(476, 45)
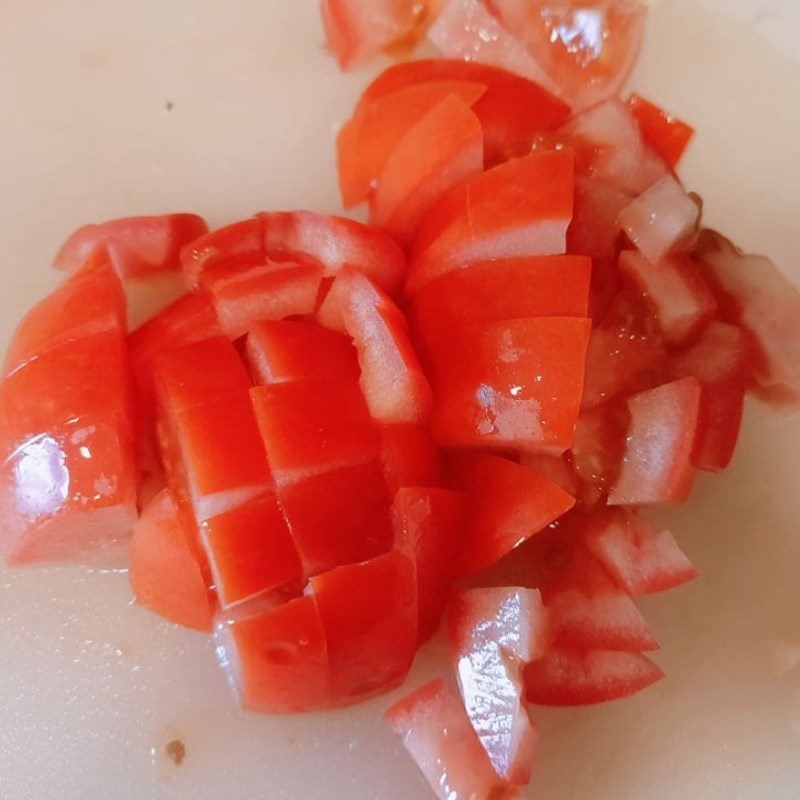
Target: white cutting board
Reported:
point(144, 106)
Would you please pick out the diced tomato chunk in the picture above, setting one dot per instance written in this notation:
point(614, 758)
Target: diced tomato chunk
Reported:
point(164, 572)
point(491, 291)
point(277, 659)
point(310, 427)
point(366, 142)
point(68, 493)
point(90, 301)
point(409, 457)
point(338, 517)
point(357, 31)
point(430, 523)
point(442, 150)
point(507, 504)
point(753, 293)
point(283, 351)
point(438, 735)
point(369, 615)
point(521, 208)
point(250, 551)
point(594, 230)
point(239, 239)
point(136, 247)
point(587, 50)
point(674, 291)
point(493, 633)
point(666, 134)
point(515, 384)
point(657, 466)
point(267, 292)
point(513, 111)
point(394, 385)
point(661, 220)
point(642, 557)
point(576, 678)
point(554, 468)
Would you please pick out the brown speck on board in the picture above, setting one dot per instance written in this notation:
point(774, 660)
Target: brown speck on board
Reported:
point(175, 750)
point(169, 105)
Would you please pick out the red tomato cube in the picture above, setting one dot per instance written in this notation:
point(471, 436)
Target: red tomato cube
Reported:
point(521, 208)
point(164, 572)
point(438, 735)
point(594, 230)
point(665, 134)
point(409, 457)
point(657, 466)
point(369, 615)
point(285, 351)
point(241, 239)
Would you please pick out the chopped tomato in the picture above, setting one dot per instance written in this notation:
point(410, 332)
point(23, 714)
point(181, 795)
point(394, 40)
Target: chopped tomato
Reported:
point(429, 524)
point(666, 134)
point(437, 733)
point(369, 616)
point(68, 493)
point(657, 466)
point(357, 31)
point(521, 208)
point(466, 29)
point(164, 572)
point(366, 142)
point(310, 427)
point(594, 230)
point(586, 49)
point(673, 289)
point(515, 384)
point(284, 351)
point(338, 517)
point(491, 291)
point(90, 301)
point(753, 293)
point(277, 658)
point(394, 385)
point(609, 147)
point(554, 468)
point(443, 149)
point(579, 678)
point(250, 551)
point(409, 457)
point(493, 633)
point(661, 220)
point(642, 557)
point(136, 247)
point(507, 504)
point(513, 111)
point(266, 292)
point(239, 239)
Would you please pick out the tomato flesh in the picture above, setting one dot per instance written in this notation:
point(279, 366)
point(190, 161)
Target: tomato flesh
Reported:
point(666, 134)
point(409, 457)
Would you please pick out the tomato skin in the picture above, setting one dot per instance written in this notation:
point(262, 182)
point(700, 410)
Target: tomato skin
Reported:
point(521, 208)
point(657, 466)
point(277, 659)
point(367, 141)
point(507, 504)
point(164, 573)
point(666, 134)
point(515, 384)
point(369, 615)
point(442, 150)
point(437, 733)
point(512, 111)
point(409, 457)
point(579, 678)
point(136, 247)
point(493, 633)
point(428, 524)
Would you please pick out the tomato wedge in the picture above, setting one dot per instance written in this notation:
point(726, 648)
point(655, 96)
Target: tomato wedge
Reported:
point(136, 247)
point(164, 572)
point(442, 150)
point(493, 633)
point(666, 134)
point(513, 110)
point(579, 678)
point(507, 504)
point(521, 208)
point(438, 735)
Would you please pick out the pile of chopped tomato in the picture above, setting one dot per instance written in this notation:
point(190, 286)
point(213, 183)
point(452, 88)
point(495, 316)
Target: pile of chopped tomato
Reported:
point(341, 434)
